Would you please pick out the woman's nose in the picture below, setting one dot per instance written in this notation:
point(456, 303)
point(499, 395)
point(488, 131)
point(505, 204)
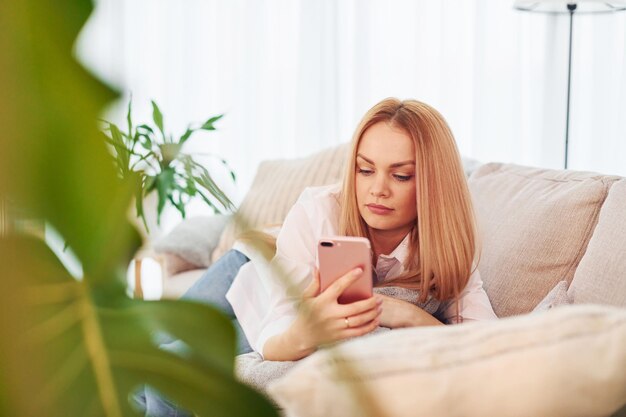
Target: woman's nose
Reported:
point(379, 187)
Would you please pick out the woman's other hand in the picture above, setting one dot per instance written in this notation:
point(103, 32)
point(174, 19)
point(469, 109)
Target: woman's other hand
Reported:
point(398, 313)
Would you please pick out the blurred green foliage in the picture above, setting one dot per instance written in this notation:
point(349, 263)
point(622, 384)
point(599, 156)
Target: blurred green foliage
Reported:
point(73, 347)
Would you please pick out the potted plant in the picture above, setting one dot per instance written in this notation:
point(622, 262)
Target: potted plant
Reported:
point(158, 158)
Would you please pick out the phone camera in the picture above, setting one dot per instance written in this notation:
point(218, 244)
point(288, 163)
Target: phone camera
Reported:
point(327, 244)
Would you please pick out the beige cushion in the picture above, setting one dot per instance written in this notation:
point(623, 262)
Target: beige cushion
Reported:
point(534, 225)
point(568, 361)
point(601, 274)
point(276, 187)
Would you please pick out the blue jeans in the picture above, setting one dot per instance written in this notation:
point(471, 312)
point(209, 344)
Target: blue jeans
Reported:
point(211, 289)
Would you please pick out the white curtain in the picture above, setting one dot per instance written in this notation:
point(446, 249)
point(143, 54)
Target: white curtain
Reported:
point(295, 76)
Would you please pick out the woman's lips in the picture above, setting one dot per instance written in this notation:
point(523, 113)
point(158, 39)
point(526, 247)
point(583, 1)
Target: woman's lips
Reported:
point(378, 209)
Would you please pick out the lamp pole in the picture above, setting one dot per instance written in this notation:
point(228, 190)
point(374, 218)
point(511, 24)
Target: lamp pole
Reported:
point(556, 7)
point(571, 7)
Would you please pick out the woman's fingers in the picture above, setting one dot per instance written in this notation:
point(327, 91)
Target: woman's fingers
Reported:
point(363, 318)
point(357, 307)
point(326, 318)
point(314, 286)
point(337, 288)
point(361, 330)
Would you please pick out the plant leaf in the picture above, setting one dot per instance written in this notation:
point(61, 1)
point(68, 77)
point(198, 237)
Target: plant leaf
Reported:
point(123, 153)
point(139, 205)
point(100, 350)
point(186, 135)
point(209, 202)
point(208, 125)
point(179, 205)
point(145, 127)
point(164, 185)
point(230, 170)
point(73, 347)
point(157, 116)
point(129, 119)
point(205, 180)
point(149, 184)
point(145, 141)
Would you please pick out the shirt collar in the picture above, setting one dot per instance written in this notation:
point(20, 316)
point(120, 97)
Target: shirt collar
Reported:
point(401, 252)
point(392, 265)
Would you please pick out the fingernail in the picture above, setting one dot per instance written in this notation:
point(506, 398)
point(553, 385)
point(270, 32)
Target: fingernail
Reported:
point(380, 309)
point(379, 300)
point(357, 270)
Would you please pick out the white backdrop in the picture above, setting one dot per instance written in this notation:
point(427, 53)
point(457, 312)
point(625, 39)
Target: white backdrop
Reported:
point(295, 76)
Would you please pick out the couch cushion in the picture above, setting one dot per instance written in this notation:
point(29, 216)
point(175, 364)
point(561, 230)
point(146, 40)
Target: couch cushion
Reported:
point(276, 187)
point(601, 274)
point(568, 361)
point(534, 226)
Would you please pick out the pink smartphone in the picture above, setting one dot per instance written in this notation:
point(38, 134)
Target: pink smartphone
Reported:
point(338, 255)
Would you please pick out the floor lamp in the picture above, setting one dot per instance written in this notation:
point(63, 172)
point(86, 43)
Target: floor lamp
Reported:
point(570, 7)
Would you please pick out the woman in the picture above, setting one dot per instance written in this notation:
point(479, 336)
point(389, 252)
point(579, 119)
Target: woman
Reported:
point(405, 190)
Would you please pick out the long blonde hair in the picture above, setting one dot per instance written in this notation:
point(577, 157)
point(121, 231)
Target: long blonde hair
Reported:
point(443, 243)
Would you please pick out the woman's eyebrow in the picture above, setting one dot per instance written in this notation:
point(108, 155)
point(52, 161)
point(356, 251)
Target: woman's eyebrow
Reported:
point(394, 165)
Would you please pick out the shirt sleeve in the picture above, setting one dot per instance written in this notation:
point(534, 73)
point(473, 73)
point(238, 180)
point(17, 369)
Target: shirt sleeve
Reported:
point(474, 305)
point(281, 281)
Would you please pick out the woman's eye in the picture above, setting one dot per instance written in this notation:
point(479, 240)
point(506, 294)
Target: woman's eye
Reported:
point(402, 177)
point(365, 171)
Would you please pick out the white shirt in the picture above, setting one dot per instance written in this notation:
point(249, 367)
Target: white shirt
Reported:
point(266, 304)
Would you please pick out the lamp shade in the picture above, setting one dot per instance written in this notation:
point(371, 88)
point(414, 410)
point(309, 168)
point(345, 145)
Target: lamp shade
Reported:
point(561, 6)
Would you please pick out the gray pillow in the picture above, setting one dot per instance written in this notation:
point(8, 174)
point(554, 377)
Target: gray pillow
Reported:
point(555, 298)
point(194, 239)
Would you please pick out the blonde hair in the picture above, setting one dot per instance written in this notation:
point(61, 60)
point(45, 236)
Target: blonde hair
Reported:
point(443, 242)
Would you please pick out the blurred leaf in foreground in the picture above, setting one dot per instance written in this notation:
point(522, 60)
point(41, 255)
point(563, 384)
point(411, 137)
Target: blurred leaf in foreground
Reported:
point(80, 347)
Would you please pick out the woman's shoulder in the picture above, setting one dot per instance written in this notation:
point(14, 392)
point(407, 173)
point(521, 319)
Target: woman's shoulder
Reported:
point(319, 207)
point(321, 193)
point(320, 200)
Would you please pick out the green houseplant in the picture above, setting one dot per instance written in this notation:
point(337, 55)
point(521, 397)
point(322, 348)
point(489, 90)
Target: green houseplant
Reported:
point(163, 168)
point(78, 346)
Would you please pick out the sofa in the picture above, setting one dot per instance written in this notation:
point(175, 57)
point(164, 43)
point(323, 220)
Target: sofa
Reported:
point(553, 263)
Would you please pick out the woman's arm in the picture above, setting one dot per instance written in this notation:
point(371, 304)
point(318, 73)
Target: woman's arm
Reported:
point(321, 319)
point(398, 313)
point(473, 304)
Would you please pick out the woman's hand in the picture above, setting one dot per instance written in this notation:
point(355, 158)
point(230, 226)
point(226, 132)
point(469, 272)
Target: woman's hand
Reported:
point(398, 313)
point(321, 319)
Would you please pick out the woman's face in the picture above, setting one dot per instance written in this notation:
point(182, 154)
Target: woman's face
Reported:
point(385, 179)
